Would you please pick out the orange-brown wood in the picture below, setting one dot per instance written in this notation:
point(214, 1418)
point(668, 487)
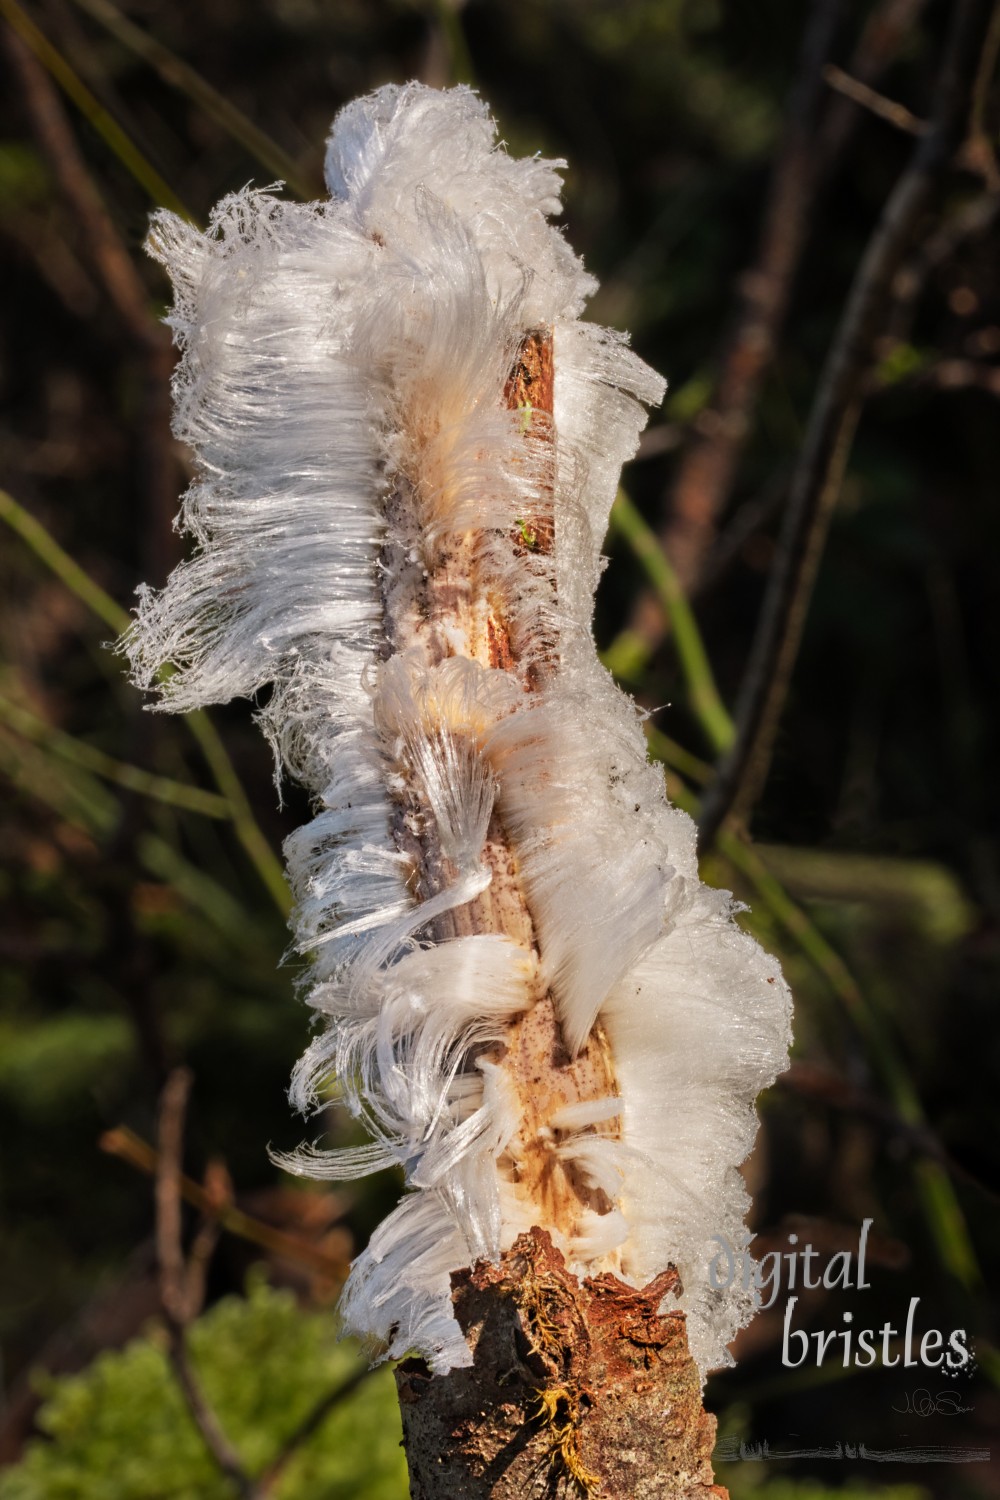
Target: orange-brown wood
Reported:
point(450, 611)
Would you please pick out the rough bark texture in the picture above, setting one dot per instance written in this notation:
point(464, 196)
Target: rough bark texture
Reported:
point(576, 1389)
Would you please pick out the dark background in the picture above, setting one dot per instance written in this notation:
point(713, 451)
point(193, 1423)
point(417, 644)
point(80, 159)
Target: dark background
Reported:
point(139, 934)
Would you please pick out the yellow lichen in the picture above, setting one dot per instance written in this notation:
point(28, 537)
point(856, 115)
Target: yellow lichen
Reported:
point(559, 1411)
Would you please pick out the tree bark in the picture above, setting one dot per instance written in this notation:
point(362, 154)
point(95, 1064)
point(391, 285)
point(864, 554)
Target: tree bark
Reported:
point(576, 1388)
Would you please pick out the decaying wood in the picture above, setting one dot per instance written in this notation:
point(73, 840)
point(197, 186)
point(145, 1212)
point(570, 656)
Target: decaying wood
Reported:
point(576, 1389)
point(449, 600)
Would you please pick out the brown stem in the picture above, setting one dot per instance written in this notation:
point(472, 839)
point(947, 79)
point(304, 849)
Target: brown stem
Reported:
point(809, 151)
point(575, 1389)
point(173, 1291)
point(708, 467)
point(816, 482)
point(125, 1144)
point(110, 259)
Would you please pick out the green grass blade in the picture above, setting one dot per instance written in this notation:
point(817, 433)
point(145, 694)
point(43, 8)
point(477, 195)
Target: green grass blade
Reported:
point(90, 758)
point(939, 1203)
point(100, 603)
point(676, 757)
point(245, 825)
point(448, 17)
point(93, 110)
point(941, 1208)
point(180, 75)
point(58, 560)
point(703, 694)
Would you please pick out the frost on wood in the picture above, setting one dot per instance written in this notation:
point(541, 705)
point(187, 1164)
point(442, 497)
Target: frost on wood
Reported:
point(407, 447)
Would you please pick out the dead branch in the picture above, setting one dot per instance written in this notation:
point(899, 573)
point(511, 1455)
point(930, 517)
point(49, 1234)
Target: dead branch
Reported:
point(173, 1298)
point(810, 149)
point(124, 1143)
point(708, 466)
point(576, 1388)
point(816, 482)
point(111, 262)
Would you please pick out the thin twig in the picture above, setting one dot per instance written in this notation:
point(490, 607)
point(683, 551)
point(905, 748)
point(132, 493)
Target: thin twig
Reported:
point(101, 604)
point(97, 233)
point(984, 81)
point(180, 75)
point(110, 259)
point(31, 37)
point(219, 1189)
point(173, 1103)
point(181, 1286)
point(819, 472)
point(310, 1424)
point(807, 157)
point(870, 99)
point(881, 38)
point(708, 466)
point(129, 1147)
point(173, 1106)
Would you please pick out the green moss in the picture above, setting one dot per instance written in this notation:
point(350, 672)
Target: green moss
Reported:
point(120, 1430)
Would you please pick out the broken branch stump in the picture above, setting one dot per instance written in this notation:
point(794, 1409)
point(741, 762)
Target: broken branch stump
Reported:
point(576, 1389)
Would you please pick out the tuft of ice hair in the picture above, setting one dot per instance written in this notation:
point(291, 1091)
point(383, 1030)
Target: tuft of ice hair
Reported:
point(699, 1026)
point(341, 386)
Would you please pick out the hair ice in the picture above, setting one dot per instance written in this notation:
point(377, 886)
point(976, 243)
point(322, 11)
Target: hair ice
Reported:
point(407, 447)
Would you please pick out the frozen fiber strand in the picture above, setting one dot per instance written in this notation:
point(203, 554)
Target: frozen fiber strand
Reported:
point(407, 448)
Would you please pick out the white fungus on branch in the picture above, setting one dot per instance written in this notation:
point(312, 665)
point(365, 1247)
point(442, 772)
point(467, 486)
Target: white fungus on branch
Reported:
point(407, 447)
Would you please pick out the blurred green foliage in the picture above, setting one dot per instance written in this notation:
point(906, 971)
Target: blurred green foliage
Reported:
point(121, 1431)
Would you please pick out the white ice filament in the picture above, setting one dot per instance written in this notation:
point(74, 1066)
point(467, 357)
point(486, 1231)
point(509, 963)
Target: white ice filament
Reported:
point(403, 546)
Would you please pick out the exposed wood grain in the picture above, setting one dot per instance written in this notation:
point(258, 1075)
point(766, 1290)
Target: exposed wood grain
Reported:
point(447, 606)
